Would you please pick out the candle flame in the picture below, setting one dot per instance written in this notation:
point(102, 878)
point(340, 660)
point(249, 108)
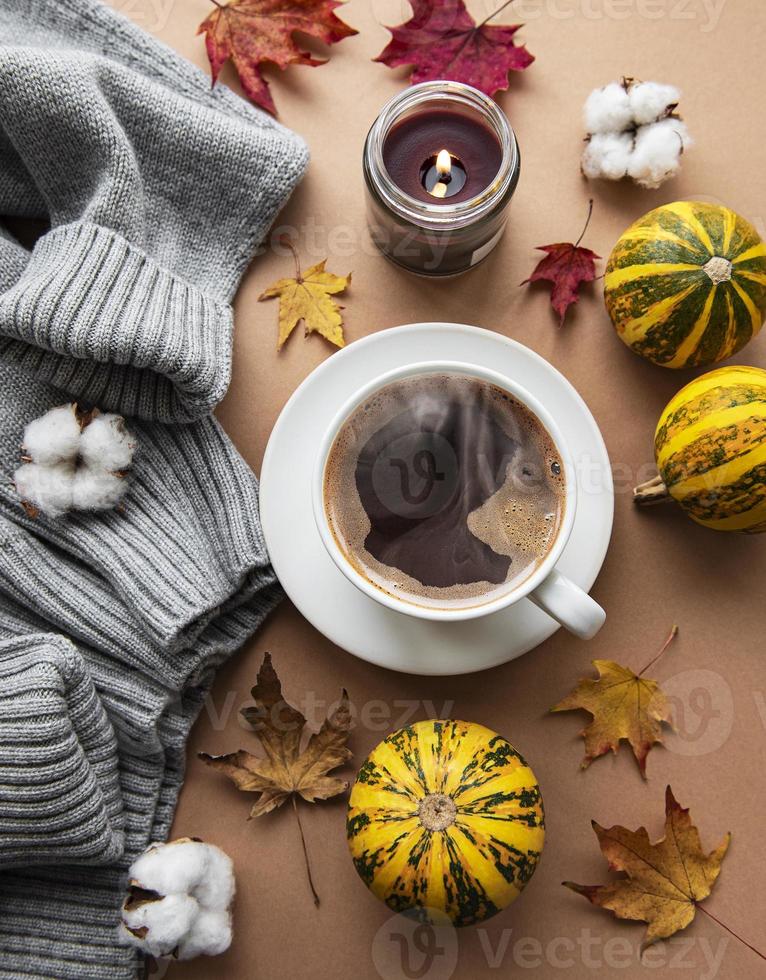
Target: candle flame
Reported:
point(443, 163)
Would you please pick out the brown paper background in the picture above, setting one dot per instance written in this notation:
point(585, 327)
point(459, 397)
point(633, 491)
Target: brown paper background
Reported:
point(660, 568)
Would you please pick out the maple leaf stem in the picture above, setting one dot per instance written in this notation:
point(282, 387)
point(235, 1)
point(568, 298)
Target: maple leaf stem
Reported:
point(731, 932)
point(671, 636)
point(500, 9)
point(587, 222)
point(286, 241)
point(305, 851)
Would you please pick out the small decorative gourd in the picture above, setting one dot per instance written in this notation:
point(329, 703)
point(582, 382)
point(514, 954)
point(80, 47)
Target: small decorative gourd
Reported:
point(685, 285)
point(447, 816)
point(710, 448)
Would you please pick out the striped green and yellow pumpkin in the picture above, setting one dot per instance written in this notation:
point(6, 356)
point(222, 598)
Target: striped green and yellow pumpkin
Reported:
point(710, 448)
point(446, 816)
point(685, 285)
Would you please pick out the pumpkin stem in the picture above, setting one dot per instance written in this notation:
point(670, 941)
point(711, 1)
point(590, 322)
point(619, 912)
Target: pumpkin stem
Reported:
point(437, 812)
point(653, 491)
point(718, 269)
point(305, 852)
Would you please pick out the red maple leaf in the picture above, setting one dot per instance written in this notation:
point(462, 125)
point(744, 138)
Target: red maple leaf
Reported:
point(253, 32)
point(442, 40)
point(567, 266)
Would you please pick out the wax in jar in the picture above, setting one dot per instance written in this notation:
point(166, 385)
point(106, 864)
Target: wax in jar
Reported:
point(411, 148)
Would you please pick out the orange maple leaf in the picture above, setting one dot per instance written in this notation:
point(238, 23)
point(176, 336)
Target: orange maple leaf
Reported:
point(665, 881)
point(624, 705)
point(251, 33)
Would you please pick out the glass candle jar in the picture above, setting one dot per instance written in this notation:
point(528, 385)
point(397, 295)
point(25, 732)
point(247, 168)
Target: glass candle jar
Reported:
point(441, 163)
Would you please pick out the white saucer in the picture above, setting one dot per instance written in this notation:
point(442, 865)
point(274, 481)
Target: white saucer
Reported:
point(323, 594)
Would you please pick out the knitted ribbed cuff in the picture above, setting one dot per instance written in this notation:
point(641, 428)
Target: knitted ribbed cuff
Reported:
point(60, 800)
point(186, 548)
point(94, 315)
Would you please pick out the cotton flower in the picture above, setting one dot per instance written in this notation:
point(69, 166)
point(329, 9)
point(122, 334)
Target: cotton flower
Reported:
point(179, 900)
point(74, 461)
point(634, 132)
point(210, 935)
point(162, 924)
point(180, 866)
point(106, 443)
point(47, 487)
point(96, 489)
point(54, 437)
point(657, 152)
point(607, 109)
point(607, 155)
point(650, 101)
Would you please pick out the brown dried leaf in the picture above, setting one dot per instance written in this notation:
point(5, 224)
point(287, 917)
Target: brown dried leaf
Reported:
point(665, 881)
point(286, 772)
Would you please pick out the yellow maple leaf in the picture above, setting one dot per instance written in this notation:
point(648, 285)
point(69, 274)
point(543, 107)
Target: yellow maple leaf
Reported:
point(665, 881)
point(624, 705)
point(308, 297)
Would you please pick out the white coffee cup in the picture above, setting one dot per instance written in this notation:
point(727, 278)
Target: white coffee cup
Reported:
point(545, 586)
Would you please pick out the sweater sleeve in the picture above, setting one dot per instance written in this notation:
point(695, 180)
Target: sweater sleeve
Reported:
point(184, 550)
point(158, 192)
point(60, 798)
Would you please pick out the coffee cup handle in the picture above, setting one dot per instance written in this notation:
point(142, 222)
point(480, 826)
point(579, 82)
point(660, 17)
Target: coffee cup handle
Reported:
point(567, 603)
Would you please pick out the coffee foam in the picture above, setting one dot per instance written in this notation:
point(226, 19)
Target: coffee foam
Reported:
point(520, 520)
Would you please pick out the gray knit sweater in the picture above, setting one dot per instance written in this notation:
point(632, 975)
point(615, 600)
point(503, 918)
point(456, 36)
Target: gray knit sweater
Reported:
point(157, 191)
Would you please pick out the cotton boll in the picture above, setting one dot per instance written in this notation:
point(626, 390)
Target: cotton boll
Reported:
point(167, 922)
point(54, 437)
point(657, 153)
point(95, 489)
point(216, 890)
point(179, 899)
point(650, 101)
point(209, 935)
point(171, 868)
point(607, 155)
point(50, 488)
point(607, 110)
point(107, 443)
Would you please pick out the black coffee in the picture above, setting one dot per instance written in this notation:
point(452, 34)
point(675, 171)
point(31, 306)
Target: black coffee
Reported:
point(444, 490)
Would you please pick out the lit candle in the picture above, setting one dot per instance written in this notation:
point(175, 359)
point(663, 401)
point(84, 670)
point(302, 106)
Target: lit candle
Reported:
point(441, 163)
point(443, 169)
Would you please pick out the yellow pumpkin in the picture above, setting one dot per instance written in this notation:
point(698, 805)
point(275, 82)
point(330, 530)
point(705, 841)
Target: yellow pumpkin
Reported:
point(710, 448)
point(685, 285)
point(446, 816)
